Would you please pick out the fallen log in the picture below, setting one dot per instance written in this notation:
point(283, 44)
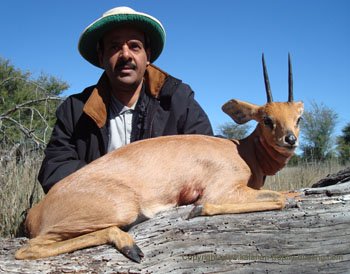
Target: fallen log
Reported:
point(336, 178)
point(310, 236)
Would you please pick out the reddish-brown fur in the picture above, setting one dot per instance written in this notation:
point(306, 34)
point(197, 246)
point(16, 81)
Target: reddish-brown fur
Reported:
point(144, 177)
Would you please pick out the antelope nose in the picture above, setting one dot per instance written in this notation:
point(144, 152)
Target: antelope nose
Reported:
point(291, 139)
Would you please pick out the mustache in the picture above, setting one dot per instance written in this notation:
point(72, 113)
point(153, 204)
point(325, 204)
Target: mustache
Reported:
point(125, 64)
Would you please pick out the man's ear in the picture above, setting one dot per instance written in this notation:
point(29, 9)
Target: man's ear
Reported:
point(100, 55)
point(148, 53)
point(241, 112)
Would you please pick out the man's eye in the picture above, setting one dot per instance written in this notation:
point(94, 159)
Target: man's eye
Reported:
point(115, 46)
point(135, 45)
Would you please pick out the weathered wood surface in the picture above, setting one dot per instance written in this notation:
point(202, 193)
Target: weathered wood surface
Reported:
point(313, 236)
point(336, 178)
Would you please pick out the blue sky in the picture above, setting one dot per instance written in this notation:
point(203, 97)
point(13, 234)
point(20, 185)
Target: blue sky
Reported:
point(215, 46)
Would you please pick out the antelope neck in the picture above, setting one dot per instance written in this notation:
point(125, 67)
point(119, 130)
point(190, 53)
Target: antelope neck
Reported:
point(269, 159)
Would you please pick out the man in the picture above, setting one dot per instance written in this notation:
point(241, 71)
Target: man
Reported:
point(133, 100)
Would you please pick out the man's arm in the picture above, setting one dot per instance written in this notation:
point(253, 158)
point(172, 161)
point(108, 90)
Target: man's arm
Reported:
point(61, 157)
point(194, 120)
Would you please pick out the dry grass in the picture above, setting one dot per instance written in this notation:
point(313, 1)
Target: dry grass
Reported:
point(20, 189)
point(301, 176)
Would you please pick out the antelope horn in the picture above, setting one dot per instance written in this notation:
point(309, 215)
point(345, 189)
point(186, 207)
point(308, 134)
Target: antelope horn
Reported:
point(290, 80)
point(267, 82)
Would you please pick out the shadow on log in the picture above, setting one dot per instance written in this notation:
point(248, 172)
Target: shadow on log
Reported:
point(312, 236)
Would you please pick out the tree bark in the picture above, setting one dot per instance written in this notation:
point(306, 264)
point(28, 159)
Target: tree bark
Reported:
point(311, 236)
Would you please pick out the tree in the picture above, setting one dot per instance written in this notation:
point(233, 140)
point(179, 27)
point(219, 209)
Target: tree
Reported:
point(343, 144)
point(231, 130)
point(27, 106)
point(318, 126)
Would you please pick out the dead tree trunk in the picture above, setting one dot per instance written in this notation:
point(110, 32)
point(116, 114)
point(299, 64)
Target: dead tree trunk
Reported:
point(312, 236)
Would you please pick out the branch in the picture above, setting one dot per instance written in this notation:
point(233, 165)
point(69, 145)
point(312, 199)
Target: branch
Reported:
point(25, 80)
point(27, 132)
point(19, 106)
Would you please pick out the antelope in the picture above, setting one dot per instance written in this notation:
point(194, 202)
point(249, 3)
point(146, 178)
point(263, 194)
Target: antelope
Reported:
point(98, 203)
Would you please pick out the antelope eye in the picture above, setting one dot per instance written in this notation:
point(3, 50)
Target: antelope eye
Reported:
point(268, 121)
point(299, 120)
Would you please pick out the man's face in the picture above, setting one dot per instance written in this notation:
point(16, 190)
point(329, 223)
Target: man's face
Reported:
point(124, 57)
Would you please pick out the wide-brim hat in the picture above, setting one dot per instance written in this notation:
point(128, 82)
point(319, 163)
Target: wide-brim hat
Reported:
point(116, 17)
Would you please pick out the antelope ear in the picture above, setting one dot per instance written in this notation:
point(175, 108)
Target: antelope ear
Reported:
point(241, 112)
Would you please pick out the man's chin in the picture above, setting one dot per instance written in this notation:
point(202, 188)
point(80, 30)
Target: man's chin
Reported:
point(126, 83)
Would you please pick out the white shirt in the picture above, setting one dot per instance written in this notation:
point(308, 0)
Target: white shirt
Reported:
point(120, 121)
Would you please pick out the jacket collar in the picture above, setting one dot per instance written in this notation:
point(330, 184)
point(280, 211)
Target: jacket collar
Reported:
point(97, 104)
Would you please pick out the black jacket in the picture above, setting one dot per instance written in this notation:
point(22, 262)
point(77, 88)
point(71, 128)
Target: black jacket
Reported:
point(166, 107)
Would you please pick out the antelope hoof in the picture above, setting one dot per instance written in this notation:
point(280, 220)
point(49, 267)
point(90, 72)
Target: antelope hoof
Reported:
point(195, 212)
point(134, 253)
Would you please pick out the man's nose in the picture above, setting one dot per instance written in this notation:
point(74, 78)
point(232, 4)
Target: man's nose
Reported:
point(125, 52)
